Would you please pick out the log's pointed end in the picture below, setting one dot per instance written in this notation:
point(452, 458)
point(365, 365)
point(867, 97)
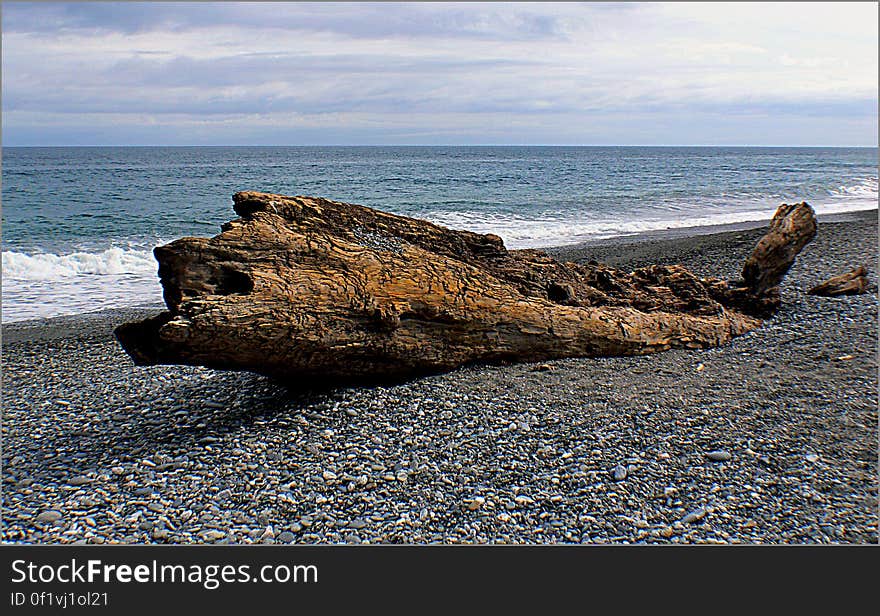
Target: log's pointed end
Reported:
point(141, 340)
point(246, 202)
point(792, 227)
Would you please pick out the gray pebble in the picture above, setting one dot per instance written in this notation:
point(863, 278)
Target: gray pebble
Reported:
point(212, 535)
point(286, 537)
point(50, 516)
point(694, 516)
point(718, 456)
point(619, 472)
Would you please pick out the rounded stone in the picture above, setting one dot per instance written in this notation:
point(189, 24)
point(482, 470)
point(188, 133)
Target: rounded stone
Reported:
point(718, 456)
point(50, 516)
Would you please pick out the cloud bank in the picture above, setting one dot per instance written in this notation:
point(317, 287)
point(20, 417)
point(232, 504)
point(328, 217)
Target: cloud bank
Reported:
point(439, 73)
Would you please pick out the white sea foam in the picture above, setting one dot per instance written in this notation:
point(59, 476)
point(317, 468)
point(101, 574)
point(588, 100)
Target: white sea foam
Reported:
point(866, 187)
point(49, 266)
point(556, 230)
point(47, 285)
point(34, 299)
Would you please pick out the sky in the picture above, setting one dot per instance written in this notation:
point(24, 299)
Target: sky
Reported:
point(125, 73)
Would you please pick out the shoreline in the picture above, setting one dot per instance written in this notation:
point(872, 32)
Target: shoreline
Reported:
point(695, 231)
point(591, 450)
point(61, 325)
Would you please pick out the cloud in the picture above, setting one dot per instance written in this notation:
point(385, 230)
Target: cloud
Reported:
point(493, 72)
point(367, 20)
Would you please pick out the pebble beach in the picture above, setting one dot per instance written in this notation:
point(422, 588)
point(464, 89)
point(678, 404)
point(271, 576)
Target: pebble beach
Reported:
point(770, 439)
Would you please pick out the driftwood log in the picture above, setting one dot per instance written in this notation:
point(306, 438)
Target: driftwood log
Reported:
point(307, 289)
point(854, 282)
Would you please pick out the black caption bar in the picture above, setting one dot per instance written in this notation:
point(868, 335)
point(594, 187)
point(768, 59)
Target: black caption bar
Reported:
point(119, 579)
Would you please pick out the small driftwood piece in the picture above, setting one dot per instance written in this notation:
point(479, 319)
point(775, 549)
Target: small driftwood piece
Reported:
point(306, 289)
point(854, 282)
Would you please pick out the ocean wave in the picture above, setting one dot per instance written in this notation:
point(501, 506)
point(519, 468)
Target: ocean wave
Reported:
point(867, 187)
point(50, 266)
point(542, 232)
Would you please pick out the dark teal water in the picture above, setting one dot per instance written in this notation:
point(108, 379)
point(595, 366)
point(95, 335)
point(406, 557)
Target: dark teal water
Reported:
point(78, 223)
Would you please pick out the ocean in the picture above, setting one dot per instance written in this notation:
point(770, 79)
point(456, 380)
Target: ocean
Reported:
point(79, 223)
